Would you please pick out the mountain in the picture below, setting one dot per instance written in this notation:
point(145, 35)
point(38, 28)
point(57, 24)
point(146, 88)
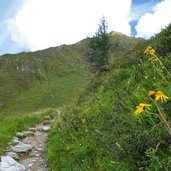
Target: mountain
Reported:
point(49, 78)
point(34, 80)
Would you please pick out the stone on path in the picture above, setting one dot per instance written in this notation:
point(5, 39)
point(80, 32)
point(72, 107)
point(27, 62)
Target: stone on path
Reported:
point(24, 134)
point(47, 122)
point(9, 164)
point(32, 141)
point(22, 148)
point(46, 128)
point(28, 133)
point(15, 141)
point(20, 135)
point(26, 140)
point(13, 155)
point(32, 129)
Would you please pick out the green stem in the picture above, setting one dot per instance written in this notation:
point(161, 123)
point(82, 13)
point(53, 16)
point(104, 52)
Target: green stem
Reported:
point(162, 118)
point(160, 74)
point(161, 63)
point(149, 115)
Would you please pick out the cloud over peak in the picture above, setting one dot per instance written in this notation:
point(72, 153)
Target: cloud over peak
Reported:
point(39, 24)
point(152, 23)
point(43, 23)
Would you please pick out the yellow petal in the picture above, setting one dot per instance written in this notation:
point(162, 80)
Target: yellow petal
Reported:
point(151, 93)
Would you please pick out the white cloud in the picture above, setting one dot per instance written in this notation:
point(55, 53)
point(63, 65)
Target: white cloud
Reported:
point(152, 23)
point(140, 9)
point(44, 23)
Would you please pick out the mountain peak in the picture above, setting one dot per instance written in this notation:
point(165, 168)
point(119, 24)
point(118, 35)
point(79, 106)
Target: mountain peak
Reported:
point(113, 33)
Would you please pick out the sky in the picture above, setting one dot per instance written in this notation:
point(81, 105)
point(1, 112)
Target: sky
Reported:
point(30, 25)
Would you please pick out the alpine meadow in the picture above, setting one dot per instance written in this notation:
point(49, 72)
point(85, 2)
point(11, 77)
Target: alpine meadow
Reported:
point(108, 98)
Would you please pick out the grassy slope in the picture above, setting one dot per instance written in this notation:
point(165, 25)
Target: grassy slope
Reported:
point(101, 133)
point(61, 91)
point(36, 81)
point(32, 81)
point(48, 78)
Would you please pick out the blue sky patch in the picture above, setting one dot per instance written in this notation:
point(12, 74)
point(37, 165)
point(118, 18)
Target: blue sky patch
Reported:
point(38, 24)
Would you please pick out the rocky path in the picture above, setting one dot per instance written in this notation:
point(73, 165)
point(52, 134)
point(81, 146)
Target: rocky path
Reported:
point(27, 150)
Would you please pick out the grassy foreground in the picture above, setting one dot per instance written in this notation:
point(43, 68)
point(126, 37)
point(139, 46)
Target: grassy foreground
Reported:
point(122, 120)
point(9, 125)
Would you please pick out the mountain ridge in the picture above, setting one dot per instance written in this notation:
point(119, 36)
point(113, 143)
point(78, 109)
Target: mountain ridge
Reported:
point(20, 73)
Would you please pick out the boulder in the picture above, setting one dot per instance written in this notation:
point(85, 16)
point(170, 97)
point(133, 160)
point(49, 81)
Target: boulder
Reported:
point(20, 135)
point(7, 163)
point(26, 140)
point(28, 133)
point(15, 141)
point(32, 129)
point(13, 155)
point(48, 122)
point(46, 128)
point(21, 148)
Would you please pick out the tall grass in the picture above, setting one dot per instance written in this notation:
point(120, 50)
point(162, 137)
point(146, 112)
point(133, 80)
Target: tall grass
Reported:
point(102, 133)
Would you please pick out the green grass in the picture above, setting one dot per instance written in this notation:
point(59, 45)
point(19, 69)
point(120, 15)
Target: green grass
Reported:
point(61, 91)
point(9, 125)
point(51, 77)
point(35, 81)
point(55, 77)
point(59, 82)
point(101, 133)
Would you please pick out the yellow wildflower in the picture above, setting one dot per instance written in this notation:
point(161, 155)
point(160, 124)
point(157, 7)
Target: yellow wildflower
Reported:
point(140, 108)
point(149, 51)
point(151, 94)
point(152, 52)
point(161, 96)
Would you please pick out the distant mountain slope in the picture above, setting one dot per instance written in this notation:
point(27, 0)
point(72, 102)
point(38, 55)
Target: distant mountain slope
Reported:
point(50, 77)
point(122, 43)
point(40, 79)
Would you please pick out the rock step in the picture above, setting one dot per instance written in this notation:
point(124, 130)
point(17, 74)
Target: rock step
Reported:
point(7, 163)
point(21, 148)
point(21, 143)
point(13, 155)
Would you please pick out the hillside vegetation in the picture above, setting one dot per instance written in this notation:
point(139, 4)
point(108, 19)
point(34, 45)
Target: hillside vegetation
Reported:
point(36, 83)
point(48, 78)
point(122, 120)
point(33, 82)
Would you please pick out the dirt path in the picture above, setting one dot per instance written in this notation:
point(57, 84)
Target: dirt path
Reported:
point(27, 150)
point(36, 159)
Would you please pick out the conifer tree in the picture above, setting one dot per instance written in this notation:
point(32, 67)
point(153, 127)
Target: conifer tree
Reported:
point(99, 46)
